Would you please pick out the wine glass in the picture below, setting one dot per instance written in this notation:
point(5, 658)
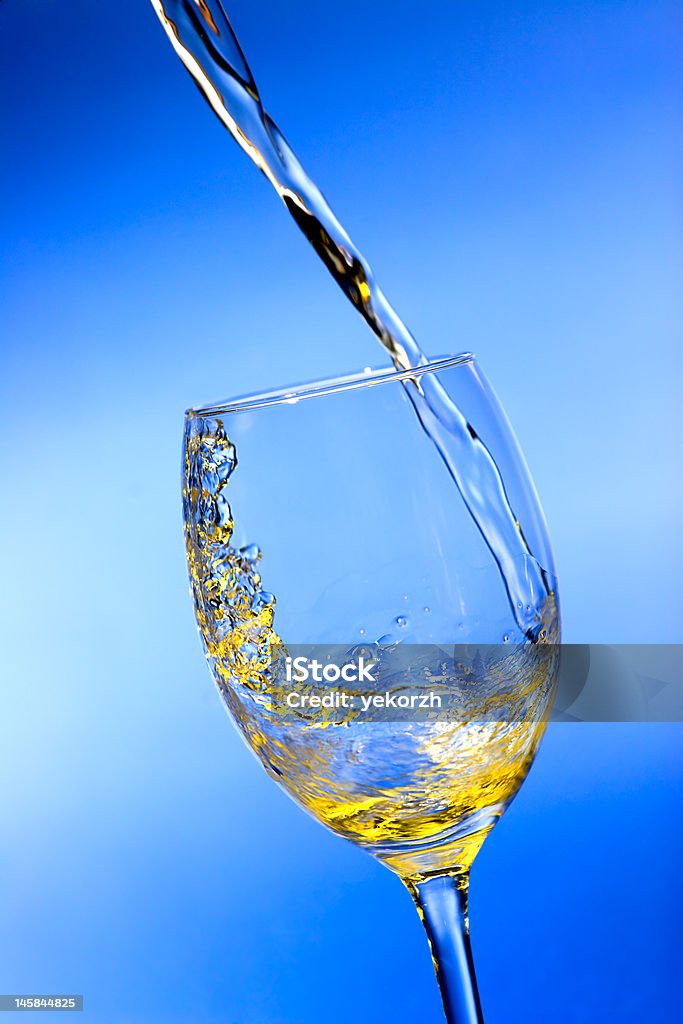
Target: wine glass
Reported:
point(324, 515)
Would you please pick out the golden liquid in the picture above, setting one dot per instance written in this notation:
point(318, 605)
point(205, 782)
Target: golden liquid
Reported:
point(420, 795)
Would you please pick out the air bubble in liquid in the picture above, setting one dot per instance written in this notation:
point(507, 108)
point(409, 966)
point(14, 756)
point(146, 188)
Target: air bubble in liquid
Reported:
point(252, 552)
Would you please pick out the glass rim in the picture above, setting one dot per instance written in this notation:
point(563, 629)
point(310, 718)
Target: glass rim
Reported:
point(295, 393)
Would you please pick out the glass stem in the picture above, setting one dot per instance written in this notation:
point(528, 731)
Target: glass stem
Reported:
point(442, 905)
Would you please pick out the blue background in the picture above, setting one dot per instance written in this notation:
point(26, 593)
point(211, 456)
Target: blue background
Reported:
point(510, 170)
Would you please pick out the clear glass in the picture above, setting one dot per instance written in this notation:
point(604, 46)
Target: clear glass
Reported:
point(324, 514)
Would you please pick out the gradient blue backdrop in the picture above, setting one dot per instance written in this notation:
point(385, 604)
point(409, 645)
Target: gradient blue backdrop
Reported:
point(511, 171)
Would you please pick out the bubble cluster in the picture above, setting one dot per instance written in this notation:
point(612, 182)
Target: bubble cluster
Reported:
point(234, 613)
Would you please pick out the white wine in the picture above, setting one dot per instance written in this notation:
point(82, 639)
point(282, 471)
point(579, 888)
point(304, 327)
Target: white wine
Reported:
point(420, 795)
